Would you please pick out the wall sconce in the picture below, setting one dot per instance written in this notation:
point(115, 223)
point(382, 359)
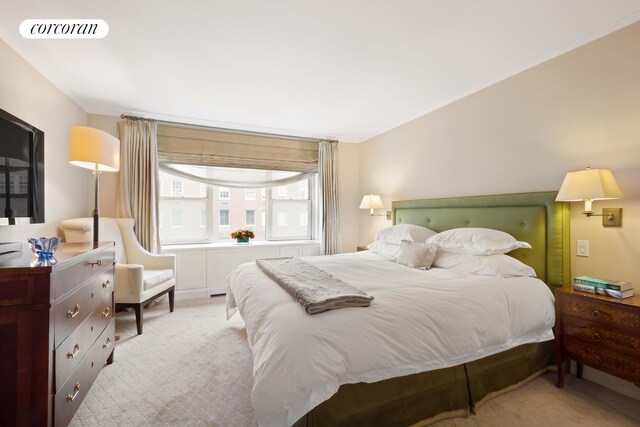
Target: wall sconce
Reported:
point(589, 185)
point(371, 202)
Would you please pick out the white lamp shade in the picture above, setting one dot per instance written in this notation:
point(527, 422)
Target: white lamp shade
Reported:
point(371, 201)
point(589, 184)
point(89, 147)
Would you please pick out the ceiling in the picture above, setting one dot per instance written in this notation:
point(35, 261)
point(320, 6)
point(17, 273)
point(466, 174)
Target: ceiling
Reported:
point(345, 69)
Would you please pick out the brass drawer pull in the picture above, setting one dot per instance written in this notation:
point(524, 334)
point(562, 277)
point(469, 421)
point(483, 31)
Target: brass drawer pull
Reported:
point(597, 314)
point(596, 337)
point(76, 390)
point(106, 312)
point(597, 359)
point(98, 263)
point(76, 349)
point(74, 313)
point(107, 343)
point(106, 284)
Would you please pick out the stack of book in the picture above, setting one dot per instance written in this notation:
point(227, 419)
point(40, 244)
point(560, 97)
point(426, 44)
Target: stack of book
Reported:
point(609, 288)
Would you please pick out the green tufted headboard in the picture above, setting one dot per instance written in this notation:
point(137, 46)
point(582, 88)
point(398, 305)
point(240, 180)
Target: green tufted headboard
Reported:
point(535, 218)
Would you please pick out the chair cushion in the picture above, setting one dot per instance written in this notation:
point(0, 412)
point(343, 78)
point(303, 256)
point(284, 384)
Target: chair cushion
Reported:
point(153, 278)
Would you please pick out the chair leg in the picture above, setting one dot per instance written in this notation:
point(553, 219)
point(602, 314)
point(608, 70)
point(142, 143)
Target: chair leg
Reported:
point(171, 299)
point(138, 310)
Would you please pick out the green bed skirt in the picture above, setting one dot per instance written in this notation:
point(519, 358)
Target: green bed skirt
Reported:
point(427, 397)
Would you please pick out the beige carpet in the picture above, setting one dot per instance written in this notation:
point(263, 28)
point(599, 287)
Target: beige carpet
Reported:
point(193, 368)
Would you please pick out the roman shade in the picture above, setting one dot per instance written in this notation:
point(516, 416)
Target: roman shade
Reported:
point(212, 147)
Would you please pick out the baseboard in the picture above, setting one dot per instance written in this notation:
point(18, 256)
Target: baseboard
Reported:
point(616, 384)
point(189, 294)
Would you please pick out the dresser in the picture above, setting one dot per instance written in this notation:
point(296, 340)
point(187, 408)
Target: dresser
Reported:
point(56, 331)
point(598, 331)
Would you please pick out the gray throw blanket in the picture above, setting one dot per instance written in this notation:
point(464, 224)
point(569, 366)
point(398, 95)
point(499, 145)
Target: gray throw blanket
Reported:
point(315, 289)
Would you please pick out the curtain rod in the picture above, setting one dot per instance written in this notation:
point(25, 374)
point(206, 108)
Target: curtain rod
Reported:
point(242, 132)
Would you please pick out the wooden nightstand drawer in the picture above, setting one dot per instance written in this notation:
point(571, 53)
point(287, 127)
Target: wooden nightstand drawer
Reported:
point(598, 331)
point(615, 363)
point(604, 313)
point(601, 336)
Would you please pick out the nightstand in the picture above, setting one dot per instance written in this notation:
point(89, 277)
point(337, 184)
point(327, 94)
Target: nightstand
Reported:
point(598, 331)
point(361, 248)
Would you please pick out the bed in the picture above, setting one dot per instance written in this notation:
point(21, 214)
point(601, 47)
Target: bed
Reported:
point(381, 366)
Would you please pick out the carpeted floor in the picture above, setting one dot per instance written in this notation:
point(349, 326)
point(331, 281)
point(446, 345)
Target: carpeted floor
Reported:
point(193, 368)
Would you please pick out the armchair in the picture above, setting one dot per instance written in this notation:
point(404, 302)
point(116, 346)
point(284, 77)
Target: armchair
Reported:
point(140, 275)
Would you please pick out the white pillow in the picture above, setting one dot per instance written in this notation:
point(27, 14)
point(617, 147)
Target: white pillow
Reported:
point(498, 265)
point(397, 233)
point(477, 241)
point(416, 255)
point(389, 250)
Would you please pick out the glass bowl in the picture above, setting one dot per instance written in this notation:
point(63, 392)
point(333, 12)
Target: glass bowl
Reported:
point(44, 247)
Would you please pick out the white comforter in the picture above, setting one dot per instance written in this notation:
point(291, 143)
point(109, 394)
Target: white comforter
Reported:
point(418, 321)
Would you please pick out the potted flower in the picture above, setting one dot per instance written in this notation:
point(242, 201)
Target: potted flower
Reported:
point(243, 235)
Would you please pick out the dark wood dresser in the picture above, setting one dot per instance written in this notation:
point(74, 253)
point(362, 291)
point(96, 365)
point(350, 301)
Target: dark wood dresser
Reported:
point(56, 331)
point(598, 331)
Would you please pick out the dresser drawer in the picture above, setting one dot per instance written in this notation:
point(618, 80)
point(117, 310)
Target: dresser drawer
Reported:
point(613, 314)
point(69, 354)
point(617, 364)
point(601, 335)
point(92, 264)
point(74, 309)
point(71, 394)
point(24, 289)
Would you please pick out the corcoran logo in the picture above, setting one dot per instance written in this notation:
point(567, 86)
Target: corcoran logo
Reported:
point(64, 29)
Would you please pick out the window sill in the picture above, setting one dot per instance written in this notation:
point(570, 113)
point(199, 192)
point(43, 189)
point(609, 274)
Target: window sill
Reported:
point(232, 244)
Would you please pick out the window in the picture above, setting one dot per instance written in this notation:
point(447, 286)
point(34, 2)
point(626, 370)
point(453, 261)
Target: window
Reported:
point(282, 219)
point(224, 218)
point(176, 188)
point(250, 217)
point(281, 192)
point(293, 213)
point(161, 188)
point(224, 193)
point(176, 217)
point(209, 213)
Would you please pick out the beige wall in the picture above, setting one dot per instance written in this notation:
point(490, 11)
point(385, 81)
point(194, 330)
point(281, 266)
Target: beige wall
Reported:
point(524, 134)
point(25, 93)
point(349, 170)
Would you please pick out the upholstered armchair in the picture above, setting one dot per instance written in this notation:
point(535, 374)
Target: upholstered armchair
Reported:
point(140, 275)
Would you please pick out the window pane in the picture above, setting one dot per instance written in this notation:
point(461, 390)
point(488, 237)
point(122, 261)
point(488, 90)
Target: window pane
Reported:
point(176, 217)
point(176, 188)
point(201, 218)
point(296, 191)
point(250, 218)
point(224, 193)
point(224, 218)
point(286, 219)
point(181, 218)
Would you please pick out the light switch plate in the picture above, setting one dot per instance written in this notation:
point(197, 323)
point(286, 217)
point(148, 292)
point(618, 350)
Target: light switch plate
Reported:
point(583, 248)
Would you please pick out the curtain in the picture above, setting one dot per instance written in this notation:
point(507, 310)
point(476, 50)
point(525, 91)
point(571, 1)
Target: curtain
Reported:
point(137, 190)
point(328, 184)
point(175, 170)
point(235, 149)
